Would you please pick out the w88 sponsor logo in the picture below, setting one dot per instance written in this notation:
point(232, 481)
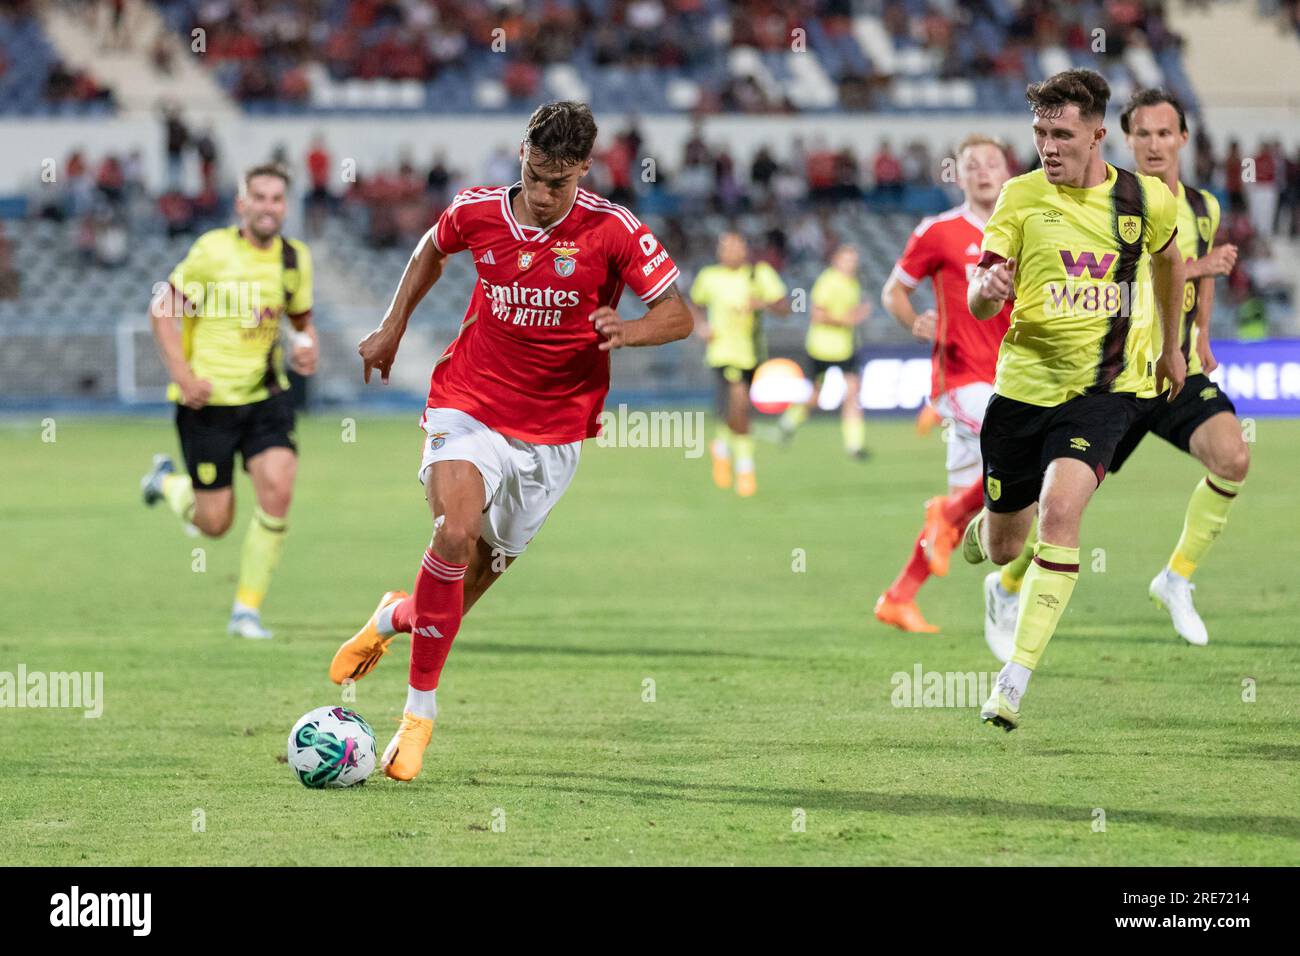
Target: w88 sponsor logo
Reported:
point(1085, 298)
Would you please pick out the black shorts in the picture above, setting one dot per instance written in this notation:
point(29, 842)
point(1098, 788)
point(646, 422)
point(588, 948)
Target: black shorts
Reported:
point(1018, 442)
point(730, 374)
point(1175, 421)
point(211, 435)
point(727, 376)
point(818, 367)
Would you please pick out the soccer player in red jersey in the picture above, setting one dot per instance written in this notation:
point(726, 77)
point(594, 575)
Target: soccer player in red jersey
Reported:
point(945, 248)
point(514, 395)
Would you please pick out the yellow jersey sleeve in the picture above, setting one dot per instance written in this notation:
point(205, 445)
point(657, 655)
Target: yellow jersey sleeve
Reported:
point(1212, 206)
point(300, 297)
point(1003, 232)
point(768, 286)
point(1162, 213)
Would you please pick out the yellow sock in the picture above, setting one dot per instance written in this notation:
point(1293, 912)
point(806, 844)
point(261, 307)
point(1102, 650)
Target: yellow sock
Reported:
point(1207, 513)
point(1013, 574)
point(261, 553)
point(855, 434)
point(1049, 582)
point(179, 492)
point(743, 448)
point(721, 447)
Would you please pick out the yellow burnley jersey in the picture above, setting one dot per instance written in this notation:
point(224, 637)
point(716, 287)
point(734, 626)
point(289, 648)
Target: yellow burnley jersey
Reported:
point(236, 294)
point(1191, 229)
point(726, 294)
point(839, 295)
point(1067, 252)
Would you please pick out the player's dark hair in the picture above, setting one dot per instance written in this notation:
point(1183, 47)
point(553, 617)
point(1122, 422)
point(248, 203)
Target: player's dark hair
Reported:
point(564, 131)
point(1086, 89)
point(264, 169)
point(1152, 96)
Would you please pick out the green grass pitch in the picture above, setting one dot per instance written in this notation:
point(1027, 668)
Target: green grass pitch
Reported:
point(771, 737)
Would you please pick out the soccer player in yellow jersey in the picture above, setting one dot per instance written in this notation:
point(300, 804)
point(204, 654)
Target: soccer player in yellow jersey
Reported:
point(1202, 421)
point(837, 311)
point(733, 292)
point(217, 323)
point(1072, 243)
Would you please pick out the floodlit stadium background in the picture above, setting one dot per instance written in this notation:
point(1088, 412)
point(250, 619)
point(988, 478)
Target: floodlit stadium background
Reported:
point(803, 123)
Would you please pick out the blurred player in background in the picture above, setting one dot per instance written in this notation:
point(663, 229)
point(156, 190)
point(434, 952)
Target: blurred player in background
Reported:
point(1072, 242)
point(217, 326)
point(1201, 421)
point(945, 249)
point(733, 291)
point(837, 311)
point(514, 395)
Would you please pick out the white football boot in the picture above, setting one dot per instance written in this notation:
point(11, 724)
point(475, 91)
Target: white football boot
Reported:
point(1173, 592)
point(1001, 609)
point(245, 622)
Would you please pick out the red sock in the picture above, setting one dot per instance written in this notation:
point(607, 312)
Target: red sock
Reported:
point(432, 614)
point(404, 615)
point(957, 507)
point(912, 576)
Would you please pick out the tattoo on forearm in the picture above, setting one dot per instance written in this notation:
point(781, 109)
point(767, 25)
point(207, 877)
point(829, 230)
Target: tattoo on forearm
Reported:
point(668, 293)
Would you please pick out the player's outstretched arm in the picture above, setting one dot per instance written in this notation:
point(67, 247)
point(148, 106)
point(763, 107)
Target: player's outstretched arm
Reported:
point(1168, 275)
point(378, 350)
point(668, 320)
point(990, 287)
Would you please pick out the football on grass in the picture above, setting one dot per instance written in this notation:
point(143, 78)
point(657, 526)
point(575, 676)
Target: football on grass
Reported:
point(332, 747)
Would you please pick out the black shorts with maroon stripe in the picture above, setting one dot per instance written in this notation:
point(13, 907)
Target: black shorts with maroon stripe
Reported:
point(1019, 440)
point(1199, 401)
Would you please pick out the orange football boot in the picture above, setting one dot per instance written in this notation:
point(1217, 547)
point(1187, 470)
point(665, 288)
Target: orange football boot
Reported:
point(722, 471)
point(904, 615)
point(404, 755)
point(358, 655)
point(746, 484)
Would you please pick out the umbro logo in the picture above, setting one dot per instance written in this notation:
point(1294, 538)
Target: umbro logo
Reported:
point(488, 259)
point(1080, 444)
point(1208, 393)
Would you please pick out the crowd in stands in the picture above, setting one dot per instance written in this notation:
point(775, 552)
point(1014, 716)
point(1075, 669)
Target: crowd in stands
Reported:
point(271, 43)
point(795, 194)
point(31, 73)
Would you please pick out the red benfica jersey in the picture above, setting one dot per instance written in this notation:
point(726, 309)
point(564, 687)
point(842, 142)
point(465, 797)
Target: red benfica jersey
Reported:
point(526, 362)
point(946, 248)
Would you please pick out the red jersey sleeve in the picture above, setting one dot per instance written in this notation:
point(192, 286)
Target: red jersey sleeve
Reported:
point(920, 256)
point(447, 235)
point(642, 263)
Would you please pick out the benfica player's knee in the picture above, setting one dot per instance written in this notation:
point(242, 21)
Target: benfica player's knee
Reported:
point(456, 536)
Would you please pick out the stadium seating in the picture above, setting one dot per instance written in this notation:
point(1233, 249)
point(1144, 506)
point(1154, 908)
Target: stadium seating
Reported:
point(658, 56)
point(27, 62)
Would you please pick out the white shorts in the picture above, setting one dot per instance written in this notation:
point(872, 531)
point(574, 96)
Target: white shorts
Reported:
point(522, 481)
point(964, 407)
